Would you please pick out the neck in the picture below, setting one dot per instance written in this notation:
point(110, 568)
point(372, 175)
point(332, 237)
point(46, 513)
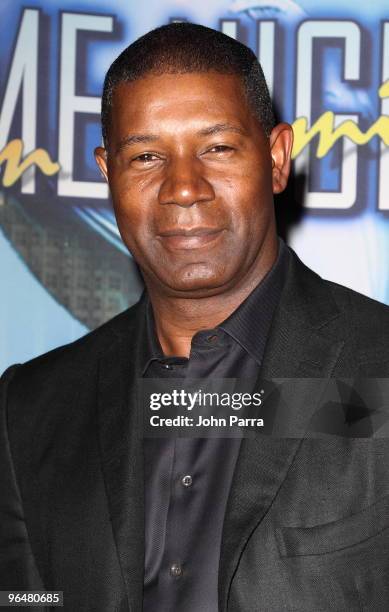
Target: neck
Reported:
point(178, 319)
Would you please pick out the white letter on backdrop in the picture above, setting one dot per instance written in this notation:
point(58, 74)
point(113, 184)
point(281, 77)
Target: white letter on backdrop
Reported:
point(23, 75)
point(70, 104)
point(308, 31)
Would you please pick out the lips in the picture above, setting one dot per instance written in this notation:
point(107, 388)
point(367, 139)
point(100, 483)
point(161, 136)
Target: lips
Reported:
point(189, 238)
point(192, 231)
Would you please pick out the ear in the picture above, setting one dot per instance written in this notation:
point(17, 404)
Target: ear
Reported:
point(101, 161)
point(281, 142)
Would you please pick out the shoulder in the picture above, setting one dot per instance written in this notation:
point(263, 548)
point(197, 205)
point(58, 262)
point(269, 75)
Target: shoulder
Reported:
point(362, 309)
point(313, 288)
point(361, 321)
point(72, 360)
point(367, 323)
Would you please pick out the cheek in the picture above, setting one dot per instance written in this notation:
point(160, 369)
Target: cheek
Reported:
point(132, 224)
point(132, 202)
point(251, 217)
point(247, 180)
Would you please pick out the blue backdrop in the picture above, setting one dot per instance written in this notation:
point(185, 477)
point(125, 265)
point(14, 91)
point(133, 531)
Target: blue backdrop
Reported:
point(63, 267)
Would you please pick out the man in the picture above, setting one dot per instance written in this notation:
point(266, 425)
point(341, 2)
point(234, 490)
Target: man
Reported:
point(119, 522)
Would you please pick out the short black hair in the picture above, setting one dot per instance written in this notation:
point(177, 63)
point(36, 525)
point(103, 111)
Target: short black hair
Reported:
point(182, 47)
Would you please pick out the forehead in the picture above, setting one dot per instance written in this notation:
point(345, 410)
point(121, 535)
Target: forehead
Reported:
point(179, 102)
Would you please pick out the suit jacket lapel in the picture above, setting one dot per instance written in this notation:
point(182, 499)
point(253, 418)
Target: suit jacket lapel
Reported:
point(120, 436)
point(299, 346)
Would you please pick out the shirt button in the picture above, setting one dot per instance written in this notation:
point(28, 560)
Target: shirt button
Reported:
point(212, 338)
point(176, 570)
point(167, 366)
point(187, 481)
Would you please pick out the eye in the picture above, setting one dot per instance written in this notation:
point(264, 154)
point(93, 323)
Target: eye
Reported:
point(220, 149)
point(219, 152)
point(146, 158)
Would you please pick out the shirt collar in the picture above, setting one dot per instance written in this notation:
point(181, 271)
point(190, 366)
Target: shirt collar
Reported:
point(249, 324)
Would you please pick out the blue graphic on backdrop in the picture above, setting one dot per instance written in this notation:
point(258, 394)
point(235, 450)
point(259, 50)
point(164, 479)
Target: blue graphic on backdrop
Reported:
point(325, 65)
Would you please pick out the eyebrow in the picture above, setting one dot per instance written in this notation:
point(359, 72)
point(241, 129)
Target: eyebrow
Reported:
point(131, 139)
point(218, 128)
point(221, 127)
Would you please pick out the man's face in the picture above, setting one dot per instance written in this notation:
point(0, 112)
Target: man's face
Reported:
point(192, 176)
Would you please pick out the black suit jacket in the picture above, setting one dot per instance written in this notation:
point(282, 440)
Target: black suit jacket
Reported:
point(306, 524)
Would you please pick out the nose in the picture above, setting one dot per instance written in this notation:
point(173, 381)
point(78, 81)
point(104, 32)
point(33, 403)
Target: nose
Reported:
point(184, 183)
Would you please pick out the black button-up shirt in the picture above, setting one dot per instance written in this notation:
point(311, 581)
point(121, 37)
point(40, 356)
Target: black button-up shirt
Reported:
point(187, 480)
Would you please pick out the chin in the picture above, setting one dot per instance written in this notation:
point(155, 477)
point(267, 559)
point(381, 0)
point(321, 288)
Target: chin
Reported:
point(195, 281)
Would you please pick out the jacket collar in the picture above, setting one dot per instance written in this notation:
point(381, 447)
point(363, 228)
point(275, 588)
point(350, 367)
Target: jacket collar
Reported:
point(305, 341)
point(120, 438)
